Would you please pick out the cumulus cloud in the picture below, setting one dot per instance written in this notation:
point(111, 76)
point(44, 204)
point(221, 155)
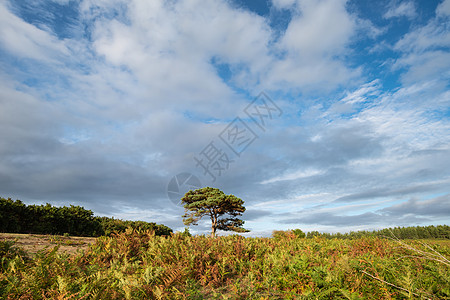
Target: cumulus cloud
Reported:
point(315, 38)
point(314, 30)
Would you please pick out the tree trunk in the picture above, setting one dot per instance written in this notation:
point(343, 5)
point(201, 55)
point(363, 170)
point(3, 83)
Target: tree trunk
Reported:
point(213, 215)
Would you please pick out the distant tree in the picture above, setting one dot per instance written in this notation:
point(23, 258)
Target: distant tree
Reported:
point(186, 232)
point(279, 234)
point(312, 234)
point(223, 209)
point(299, 233)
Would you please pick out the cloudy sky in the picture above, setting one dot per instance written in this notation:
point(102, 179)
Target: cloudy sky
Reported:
point(326, 115)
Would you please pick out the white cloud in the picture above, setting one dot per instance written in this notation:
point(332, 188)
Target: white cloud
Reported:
point(190, 31)
point(294, 175)
point(283, 4)
point(429, 37)
point(423, 52)
point(404, 9)
point(178, 42)
point(428, 65)
point(443, 9)
point(319, 33)
point(322, 28)
point(61, 2)
point(352, 100)
point(167, 46)
point(27, 41)
point(360, 95)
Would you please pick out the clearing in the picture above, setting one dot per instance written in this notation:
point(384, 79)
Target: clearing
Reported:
point(33, 243)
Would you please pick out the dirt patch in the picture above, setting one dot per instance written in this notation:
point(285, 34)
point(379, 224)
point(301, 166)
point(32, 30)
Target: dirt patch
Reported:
point(33, 243)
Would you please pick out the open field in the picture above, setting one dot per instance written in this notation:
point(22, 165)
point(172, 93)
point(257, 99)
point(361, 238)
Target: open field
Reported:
point(135, 265)
point(33, 243)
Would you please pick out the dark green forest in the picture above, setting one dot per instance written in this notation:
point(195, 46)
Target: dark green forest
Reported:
point(17, 217)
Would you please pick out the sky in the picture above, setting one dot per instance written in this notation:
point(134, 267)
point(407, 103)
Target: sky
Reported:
point(326, 115)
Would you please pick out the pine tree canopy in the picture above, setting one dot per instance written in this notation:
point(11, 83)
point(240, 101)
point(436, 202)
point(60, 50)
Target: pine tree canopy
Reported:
point(223, 209)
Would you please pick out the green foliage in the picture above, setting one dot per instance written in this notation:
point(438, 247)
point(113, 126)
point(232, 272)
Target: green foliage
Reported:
point(111, 225)
point(417, 232)
point(281, 234)
point(312, 234)
point(140, 265)
point(223, 209)
point(8, 252)
point(186, 232)
point(295, 233)
point(17, 217)
point(299, 233)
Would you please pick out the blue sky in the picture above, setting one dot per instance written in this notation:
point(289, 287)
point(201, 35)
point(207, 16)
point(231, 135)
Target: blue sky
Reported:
point(103, 102)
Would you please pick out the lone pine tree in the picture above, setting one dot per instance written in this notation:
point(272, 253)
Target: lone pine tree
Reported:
point(223, 209)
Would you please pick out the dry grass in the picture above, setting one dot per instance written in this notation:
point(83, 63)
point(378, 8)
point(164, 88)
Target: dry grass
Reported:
point(32, 243)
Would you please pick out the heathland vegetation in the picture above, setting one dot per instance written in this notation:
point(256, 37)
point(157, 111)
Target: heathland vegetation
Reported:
point(140, 265)
point(137, 263)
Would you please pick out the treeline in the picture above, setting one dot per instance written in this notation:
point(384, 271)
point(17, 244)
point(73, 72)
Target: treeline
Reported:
point(17, 217)
point(413, 232)
point(110, 225)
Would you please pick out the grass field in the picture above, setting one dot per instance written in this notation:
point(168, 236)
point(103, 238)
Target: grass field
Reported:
point(137, 265)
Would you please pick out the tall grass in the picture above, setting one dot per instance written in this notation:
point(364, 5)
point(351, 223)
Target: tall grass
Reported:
point(140, 265)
